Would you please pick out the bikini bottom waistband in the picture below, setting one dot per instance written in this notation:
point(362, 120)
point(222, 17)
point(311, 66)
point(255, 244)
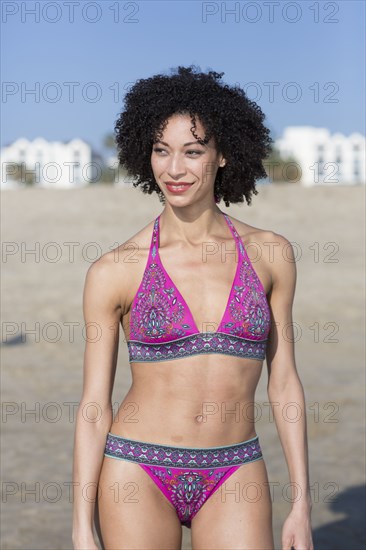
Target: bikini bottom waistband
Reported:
point(188, 457)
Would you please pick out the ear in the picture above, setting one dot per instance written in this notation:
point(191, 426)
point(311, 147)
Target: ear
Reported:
point(221, 160)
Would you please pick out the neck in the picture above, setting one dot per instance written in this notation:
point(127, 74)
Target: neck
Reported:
point(191, 227)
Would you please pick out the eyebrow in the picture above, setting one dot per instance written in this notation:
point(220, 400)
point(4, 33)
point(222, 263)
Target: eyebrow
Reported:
point(185, 145)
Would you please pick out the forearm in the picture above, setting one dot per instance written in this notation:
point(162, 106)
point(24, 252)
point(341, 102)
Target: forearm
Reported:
point(89, 443)
point(289, 410)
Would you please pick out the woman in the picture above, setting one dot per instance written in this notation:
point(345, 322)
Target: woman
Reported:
point(199, 320)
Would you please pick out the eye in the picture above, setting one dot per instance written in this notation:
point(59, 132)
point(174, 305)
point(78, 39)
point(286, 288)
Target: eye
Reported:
point(194, 152)
point(159, 150)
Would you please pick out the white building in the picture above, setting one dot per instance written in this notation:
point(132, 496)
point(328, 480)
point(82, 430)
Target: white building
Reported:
point(118, 175)
point(324, 158)
point(49, 164)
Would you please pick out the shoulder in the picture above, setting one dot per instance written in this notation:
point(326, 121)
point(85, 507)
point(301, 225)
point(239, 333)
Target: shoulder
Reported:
point(273, 249)
point(251, 234)
point(116, 269)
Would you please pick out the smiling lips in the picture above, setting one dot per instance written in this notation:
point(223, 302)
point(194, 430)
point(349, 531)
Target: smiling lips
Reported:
point(177, 187)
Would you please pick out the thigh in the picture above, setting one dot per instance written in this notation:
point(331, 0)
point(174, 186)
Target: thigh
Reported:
point(133, 512)
point(238, 515)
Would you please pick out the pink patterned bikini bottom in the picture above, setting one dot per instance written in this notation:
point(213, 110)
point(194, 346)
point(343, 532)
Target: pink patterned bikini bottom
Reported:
point(187, 476)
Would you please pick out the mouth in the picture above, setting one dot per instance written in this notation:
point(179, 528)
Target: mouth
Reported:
point(175, 187)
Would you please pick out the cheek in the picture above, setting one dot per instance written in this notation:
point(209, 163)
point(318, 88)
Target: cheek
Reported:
point(208, 169)
point(157, 164)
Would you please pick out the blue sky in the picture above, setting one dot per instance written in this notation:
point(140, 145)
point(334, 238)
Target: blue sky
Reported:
point(81, 63)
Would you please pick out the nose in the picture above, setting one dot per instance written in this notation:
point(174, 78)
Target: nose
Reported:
point(176, 167)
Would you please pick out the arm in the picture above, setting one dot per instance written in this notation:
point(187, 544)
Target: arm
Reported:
point(286, 394)
point(102, 310)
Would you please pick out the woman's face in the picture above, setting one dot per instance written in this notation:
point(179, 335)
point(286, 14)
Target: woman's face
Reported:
point(184, 169)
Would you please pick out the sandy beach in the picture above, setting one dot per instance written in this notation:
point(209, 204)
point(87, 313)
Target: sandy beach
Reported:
point(50, 237)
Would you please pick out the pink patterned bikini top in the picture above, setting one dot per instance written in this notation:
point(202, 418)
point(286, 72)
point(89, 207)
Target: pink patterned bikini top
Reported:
point(162, 327)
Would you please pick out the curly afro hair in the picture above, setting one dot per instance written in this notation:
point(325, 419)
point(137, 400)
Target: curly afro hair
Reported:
point(226, 114)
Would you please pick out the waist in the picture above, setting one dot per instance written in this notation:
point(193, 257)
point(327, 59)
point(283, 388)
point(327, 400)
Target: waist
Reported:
point(184, 420)
point(174, 456)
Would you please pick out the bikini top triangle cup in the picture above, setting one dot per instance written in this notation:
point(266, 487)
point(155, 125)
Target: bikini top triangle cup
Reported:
point(162, 327)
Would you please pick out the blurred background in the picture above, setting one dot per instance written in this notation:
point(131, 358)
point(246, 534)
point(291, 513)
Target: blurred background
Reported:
point(65, 67)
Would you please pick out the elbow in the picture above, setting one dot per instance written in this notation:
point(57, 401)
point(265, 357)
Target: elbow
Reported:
point(286, 382)
point(94, 415)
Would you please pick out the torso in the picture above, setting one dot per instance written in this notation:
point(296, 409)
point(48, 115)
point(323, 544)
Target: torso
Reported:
point(205, 400)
